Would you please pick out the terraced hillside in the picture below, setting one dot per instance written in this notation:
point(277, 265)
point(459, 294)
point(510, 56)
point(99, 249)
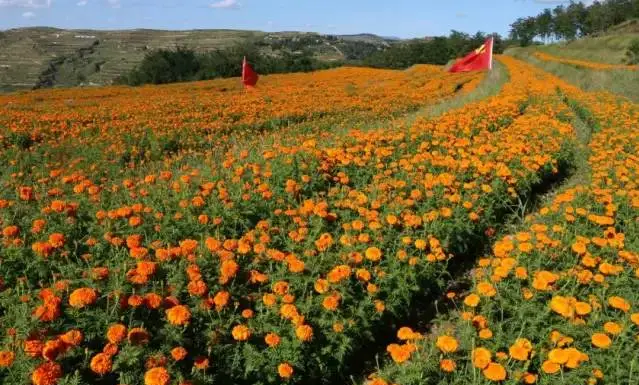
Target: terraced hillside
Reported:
point(41, 57)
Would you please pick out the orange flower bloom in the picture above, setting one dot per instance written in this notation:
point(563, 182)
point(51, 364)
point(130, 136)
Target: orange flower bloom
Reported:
point(285, 370)
point(304, 332)
point(101, 364)
point(178, 353)
point(138, 336)
point(601, 340)
point(116, 333)
point(521, 349)
point(157, 376)
point(550, 367)
point(447, 344)
point(619, 303)
point(447, 365)
point(178, 315)
point(82, 297)
point(373, 254)
point(241, 333)
point(494, 372)
point(6, 358)
point(47, 374)
point(481, 357)
point(272, 339)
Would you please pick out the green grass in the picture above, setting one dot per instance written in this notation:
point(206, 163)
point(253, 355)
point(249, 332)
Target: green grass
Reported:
point(603, 49)
point(621, 82)
point(490, 86)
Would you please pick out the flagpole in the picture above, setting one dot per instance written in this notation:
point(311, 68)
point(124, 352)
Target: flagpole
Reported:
point(492, 43)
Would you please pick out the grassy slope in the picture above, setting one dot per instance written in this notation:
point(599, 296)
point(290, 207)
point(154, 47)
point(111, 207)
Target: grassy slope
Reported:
point(621, 82)
point(609, 47)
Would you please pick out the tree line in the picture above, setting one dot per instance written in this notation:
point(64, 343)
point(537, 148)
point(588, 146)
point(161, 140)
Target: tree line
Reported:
point(568, 22)
point(184, 64)
point(438, 50)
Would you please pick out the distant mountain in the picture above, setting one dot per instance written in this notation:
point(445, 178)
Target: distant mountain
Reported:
point(50, 57)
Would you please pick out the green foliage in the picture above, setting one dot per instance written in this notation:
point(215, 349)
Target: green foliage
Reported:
point(183, 64)
point(573, 21)
point(438, 50)
point(632, 54)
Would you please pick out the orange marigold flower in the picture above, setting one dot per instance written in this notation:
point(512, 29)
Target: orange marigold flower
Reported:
point(138, 336)
point(157, 376)
point(472, 300)
point(447, 365)
point(563, 306)
point(304, 332)
point(110, 349)
point(521, 349)
point(178, 315)
point(486, 289)
point(153, 300)
point(481, 357)
point(6, 358)
point(33, 348)
point(331, 302)
point(241, 333)
point(26, 193)
point(178, 353)
point(285, 370)
point(82, 297)
point(116, 333)
point(494, 372)
point(101, 364)
point(201, 363)
point(46, 374)
point(550, 367)
point(272, 339)
point(400, 353)
point(613, 328)
point(619, 303)
point(72, 337)
point(601, 340)
point(373, 254)
point(10, 231)
point(529, 378)
point(447, 344)
point(406, 333)
point(558, 356)
point(56, 240)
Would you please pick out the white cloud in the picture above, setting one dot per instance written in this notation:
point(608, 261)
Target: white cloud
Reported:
point(28, 15)
point(26, 3)
point(114, 3)
point(82, 3)
point(226, 4)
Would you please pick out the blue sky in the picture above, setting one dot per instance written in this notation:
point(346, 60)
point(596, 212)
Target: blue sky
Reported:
point(401, 18)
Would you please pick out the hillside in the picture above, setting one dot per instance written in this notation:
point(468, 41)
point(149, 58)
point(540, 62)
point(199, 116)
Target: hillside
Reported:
point(42, 57)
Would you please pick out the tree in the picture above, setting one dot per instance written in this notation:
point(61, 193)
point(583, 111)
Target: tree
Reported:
point(544, 25)
point(524, 30)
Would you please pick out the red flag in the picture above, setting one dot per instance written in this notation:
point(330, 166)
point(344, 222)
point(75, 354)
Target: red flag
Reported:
point(249, 77)
point(479, 59)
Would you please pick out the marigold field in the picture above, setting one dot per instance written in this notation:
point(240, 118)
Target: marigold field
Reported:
point(201, 234)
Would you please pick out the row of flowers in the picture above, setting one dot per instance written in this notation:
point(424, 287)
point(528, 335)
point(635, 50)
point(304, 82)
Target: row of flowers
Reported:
point(556, 300)
point(584, 63)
